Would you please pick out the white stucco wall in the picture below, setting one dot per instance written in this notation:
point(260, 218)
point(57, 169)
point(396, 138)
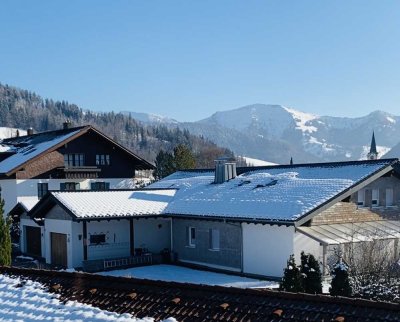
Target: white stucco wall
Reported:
point(153, 234)
point(22, 241)
point(117, 239)
point(77, 244)
point(308, 245)
point(9, 194)
point(266, 248)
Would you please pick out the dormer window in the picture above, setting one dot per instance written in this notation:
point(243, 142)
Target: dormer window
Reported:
point(74, 160)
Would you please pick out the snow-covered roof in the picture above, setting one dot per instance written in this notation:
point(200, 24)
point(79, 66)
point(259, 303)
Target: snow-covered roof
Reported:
point(114, 203)
point(278, 193)
point(28, 147)
point(28, 202)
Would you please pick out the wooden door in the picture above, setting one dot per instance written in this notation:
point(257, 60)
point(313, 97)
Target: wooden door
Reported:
point(33, 241)
point(58, 249)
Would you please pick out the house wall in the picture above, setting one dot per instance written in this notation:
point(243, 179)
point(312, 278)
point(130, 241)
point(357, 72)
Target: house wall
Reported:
point(308, 245)
point(41, 165)
point(117, 239)
point(350, 212)
point(153, 234)
point(25, 221)
point(12, 189)
point(9, 194)
point(77, 243)
point(266, 248)
point(227, 257)
point(122, 165)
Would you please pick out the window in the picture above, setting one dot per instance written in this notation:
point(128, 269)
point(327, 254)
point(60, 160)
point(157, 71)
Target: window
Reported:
point(97, 239)
point(74, 160)
point(375, 198)
point(100, 186)
point(191, 236)
point(214, 239)
point(102, 159)
point(69, 186)
point(361, 198)
point(42, 189)
point(389, 197)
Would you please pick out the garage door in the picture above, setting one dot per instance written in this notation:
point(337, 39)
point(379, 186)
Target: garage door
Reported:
point(59, 249)
point(33, 241)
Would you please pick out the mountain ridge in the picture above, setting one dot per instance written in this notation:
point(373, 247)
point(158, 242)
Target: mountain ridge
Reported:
point(276, 133)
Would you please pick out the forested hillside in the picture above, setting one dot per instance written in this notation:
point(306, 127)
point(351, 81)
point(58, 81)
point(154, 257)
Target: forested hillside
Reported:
point(23, 109)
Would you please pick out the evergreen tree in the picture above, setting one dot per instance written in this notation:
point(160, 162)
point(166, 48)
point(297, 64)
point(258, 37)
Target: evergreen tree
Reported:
point(165, 165)
point(310, 272)
point(5, 238)
point(291, 281)
point(340, 285)
point(183, 158)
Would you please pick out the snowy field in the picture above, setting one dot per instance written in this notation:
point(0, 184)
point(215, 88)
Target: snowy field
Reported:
point(180, 274)
point(31, 302)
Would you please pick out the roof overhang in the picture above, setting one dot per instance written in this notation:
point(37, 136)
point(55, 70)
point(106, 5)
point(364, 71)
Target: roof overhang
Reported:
point(343, 233)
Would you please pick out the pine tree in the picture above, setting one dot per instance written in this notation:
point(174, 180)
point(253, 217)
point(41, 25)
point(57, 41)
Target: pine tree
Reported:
point(291, 281)
point(340, 285)
point(5, 238)
point(183, 158)
point(310, 272)
point(165, 164)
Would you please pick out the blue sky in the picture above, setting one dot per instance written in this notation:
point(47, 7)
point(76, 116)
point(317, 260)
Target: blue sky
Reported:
point(187, 59)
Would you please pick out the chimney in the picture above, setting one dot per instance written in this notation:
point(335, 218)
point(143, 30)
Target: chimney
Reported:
point(67, 125)
point(224, 170)
point(29, 131)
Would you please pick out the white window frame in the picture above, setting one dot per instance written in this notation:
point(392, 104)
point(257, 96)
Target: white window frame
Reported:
point(192, 236)
point(375, 198)
point(388, 202)
point(214, 239)
point(361, 198)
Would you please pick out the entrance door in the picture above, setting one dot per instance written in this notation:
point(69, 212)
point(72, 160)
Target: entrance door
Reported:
point(33, 241)
point(58, 249)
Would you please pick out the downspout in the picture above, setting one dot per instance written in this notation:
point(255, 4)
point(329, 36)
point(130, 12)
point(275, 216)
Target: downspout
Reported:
point(324, 273)
point(241, 248)
point(171, 235)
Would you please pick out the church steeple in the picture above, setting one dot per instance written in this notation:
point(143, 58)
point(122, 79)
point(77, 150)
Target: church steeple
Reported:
point(373, 153)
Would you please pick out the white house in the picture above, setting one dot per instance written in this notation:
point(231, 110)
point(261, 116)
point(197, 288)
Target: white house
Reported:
point(75, 228)
point(253, 222)
point(72, 158)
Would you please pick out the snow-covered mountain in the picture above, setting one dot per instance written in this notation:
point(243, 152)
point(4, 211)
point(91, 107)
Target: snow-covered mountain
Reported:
point(277, 133)
point(150, 118)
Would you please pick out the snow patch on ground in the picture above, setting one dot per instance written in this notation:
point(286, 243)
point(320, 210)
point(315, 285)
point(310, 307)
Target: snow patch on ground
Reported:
point(180, 274)
point(10, 132)
point(302, 119)
point(28, 301)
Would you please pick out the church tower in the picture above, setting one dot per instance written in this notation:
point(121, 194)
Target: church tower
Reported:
point(373, 153)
